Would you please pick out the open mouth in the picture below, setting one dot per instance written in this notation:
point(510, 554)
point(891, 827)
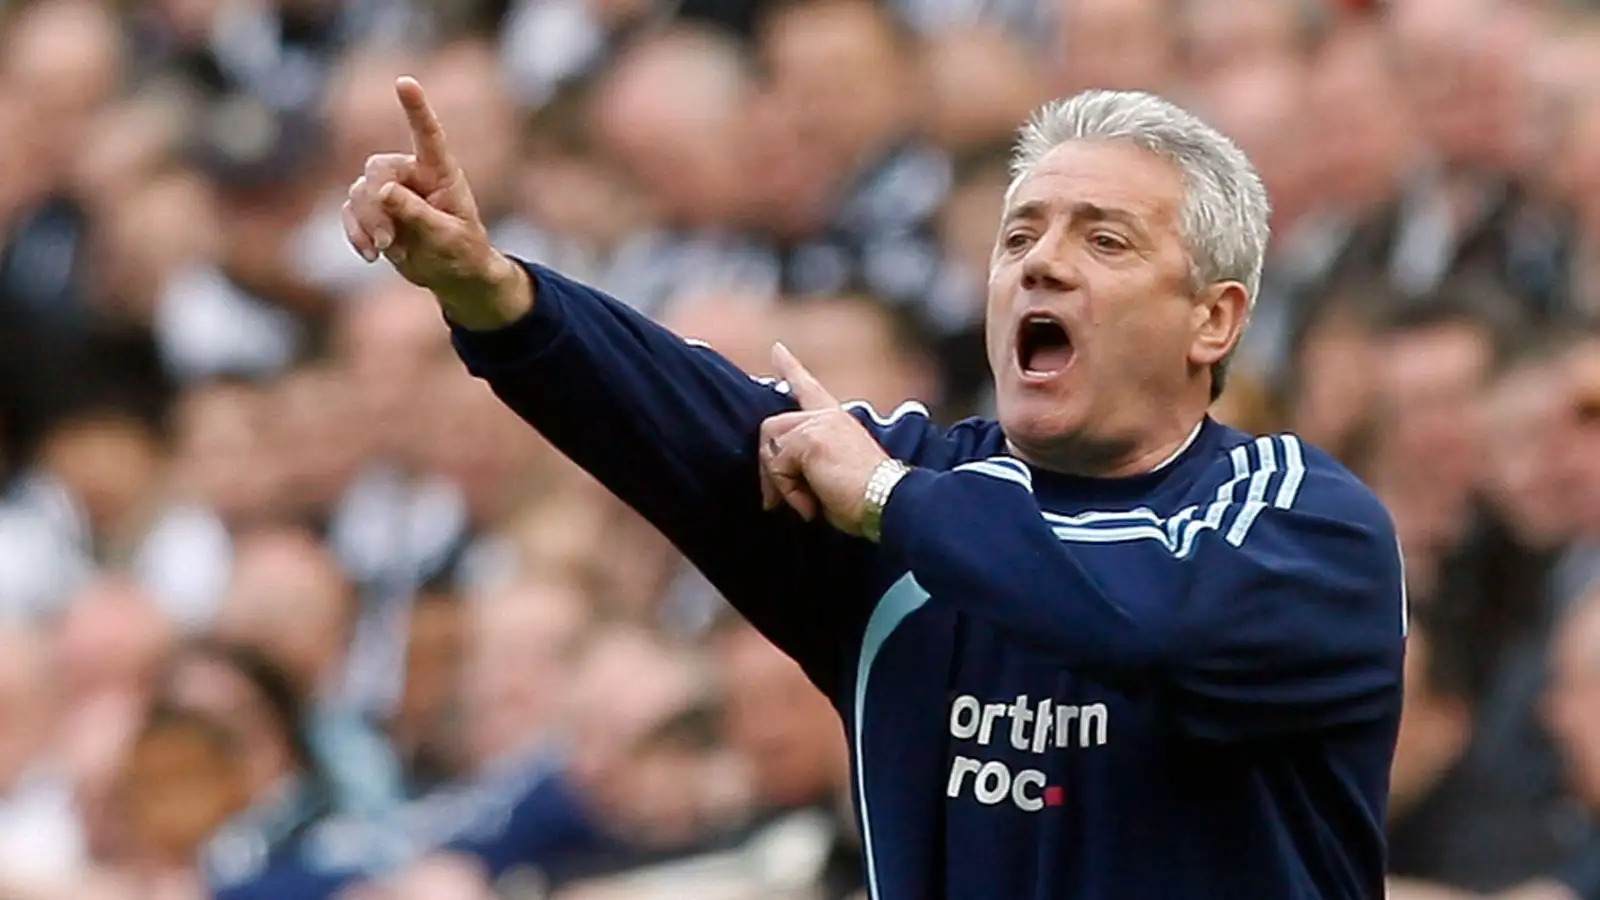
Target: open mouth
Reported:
point(1043, 346)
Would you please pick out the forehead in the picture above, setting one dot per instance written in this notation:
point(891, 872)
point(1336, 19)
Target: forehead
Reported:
point(1113, 175)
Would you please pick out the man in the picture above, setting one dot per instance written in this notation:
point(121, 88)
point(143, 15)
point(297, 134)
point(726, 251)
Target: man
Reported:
point(1103, 648)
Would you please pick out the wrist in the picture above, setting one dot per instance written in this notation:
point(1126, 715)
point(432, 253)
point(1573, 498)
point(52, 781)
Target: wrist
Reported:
point(875, 499)
point(501, 296)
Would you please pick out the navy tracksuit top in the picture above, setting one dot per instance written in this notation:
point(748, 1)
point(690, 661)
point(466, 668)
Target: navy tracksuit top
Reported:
point(1183, 685)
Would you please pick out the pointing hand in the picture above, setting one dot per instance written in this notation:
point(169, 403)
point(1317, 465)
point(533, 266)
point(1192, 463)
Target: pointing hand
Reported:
point(417, 211)
point(819, 458)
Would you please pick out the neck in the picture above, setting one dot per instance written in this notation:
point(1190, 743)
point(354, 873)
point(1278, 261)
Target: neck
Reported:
point(1115, 458)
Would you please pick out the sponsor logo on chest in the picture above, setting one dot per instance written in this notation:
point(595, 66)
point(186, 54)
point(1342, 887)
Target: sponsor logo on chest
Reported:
point(1032, 727)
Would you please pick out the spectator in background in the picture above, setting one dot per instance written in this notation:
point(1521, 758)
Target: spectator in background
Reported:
point(426, 726)
point(183, 780)
point(524, 643)
point(289, 599)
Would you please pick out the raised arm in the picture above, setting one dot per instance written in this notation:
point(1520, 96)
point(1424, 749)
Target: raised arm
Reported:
point(670, 427)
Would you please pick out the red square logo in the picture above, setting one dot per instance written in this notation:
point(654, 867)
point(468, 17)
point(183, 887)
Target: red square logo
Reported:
point(1054, 795)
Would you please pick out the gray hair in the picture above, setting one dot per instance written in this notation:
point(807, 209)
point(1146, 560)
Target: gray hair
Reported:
point(1225, 213)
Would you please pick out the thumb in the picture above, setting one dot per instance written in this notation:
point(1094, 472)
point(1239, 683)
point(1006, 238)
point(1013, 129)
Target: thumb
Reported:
point(805, 386)
point(407, 208)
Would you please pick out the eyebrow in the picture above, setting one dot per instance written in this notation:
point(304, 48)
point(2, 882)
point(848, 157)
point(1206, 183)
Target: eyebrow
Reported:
point(1082, 211)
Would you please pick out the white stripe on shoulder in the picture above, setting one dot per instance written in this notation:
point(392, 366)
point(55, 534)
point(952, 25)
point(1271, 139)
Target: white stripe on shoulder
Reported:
point(1003, 468)
point(908, 408)
point(1240, 456)
point(1180, 532)
point(1255, 497)
point(1294, 471)
point(698, 344)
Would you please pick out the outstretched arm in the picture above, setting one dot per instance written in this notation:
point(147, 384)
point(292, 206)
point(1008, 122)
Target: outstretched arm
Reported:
point(669, 427)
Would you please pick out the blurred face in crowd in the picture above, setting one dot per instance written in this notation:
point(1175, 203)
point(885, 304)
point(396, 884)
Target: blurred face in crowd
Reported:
point(1115, 44)
point(562, 535)
point(1430, 380)
point(389, 341)
point(211, 686)
point(361, 110)
point(223, 456)
point(851, 345)
point(1466, 67)
point(111, 639)
point(785, 729)
point(673, 113)
point(966, 223)
point(64, 56)
point(436, 648)
point(628, 687)
point(845, 74)
point(1434, 376)
point(1335, 384)
point(1363, 143)
point(465, 434)
point(110, 462)
point(1574, 698)
point(181, 782)
point(523, 643)
point(1527, 424)
point(289, 598)
point(1219, 34)
point(795, 188)
point(152, 233)
point(1097, 338)
point(981, 85)
point(309, 413)
point(1259, 105)
point(740, 326)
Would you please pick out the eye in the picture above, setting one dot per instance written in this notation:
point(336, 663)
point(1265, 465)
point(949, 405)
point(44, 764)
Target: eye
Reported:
point(1105, 240)
point(1018, 240)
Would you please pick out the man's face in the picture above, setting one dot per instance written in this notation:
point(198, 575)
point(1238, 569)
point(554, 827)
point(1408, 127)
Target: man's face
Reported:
point(1091, 311)
point(179, 787)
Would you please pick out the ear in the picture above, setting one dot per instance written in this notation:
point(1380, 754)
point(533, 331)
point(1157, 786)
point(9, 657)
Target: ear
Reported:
point(1217, 321)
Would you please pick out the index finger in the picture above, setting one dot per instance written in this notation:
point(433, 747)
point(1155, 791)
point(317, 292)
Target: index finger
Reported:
point(804, 385)
point(427, 135)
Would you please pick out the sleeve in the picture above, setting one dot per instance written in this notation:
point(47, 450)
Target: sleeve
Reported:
point(670, 427)
point(1277, 611)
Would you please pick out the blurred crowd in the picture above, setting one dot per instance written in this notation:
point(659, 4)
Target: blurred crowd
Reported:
point(291, 607)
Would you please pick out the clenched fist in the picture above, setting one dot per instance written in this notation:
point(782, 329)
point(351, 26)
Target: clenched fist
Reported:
point(417, 211)
point(819, 458)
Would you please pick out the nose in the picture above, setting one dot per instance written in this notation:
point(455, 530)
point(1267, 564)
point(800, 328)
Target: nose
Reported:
point(1049, 266)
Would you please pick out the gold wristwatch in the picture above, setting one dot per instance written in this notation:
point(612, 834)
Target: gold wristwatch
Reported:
point(879, 487)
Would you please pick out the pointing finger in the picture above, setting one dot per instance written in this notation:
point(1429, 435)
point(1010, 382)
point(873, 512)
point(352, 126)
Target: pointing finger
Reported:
point(805, 386)
point(427, 135)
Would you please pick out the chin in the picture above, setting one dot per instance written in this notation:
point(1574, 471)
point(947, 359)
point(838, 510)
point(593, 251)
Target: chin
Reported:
point(1037, 420)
